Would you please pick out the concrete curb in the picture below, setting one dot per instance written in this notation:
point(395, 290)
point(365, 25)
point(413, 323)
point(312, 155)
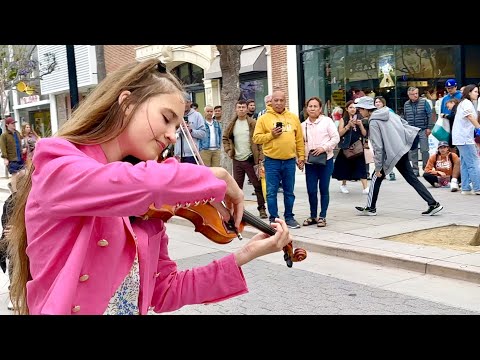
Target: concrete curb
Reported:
point(423, 265)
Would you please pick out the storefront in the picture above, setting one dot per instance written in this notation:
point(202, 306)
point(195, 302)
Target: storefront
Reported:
point(252, 74)
point(332, 72)
point(34, 110)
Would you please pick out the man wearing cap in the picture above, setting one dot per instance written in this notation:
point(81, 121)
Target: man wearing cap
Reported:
point(391, 138)
point(452, 92)
point(10, 145)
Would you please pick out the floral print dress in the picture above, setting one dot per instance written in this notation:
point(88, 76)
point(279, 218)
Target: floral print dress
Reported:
point(125, 299)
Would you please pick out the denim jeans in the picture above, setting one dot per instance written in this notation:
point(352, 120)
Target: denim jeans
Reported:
point(276, 171)
point(469, 167)
point(318, 177)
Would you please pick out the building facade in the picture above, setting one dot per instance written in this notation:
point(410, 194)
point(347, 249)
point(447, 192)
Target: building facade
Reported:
point(301, 71)
point(332, 72)
point(198, 66)
point(24, 101)
point(118, 55)
point(56, 85)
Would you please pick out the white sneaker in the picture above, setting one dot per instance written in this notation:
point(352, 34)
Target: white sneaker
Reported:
point(343, 189)
point(453, 186)
point(366, 190)
point(465, 192)
point(10, 305)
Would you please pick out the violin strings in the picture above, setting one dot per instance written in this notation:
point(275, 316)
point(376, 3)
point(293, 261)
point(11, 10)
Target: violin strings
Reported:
point(257, 223)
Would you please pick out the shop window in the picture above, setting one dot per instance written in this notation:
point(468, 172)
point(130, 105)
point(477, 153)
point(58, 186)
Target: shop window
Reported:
point(324, 76)
point(41, 123)
point(255, 89)
point(425, 61)
point(388, 70)
point(425, 67)
point(189, 74)
point(472, 66)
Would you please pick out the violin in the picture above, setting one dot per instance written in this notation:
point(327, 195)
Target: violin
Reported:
point(208, 222)
point(206, 218)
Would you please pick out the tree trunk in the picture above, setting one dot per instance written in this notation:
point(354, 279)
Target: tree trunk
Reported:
point(476, 238)
point(230, 92)
point(101, 69)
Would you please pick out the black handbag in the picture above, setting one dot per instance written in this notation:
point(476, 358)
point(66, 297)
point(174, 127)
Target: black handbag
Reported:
point(320, 159)
point(317, 159)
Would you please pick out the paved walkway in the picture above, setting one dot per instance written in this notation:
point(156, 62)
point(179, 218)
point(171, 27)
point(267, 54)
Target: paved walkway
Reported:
point(398, 211)
point(362, 237)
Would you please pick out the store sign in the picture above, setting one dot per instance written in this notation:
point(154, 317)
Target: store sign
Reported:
point(29, 99)
point(338, 97)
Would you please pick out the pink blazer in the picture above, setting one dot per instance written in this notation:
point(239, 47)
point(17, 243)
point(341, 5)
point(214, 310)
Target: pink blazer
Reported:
point(81, 244)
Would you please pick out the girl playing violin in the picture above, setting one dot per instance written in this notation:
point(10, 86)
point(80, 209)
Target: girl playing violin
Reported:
point(72, 245)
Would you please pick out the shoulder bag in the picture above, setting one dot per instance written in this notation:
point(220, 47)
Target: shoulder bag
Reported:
point(354, 150)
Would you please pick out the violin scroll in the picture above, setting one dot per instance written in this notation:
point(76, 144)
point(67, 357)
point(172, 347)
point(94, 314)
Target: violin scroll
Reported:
point(289, 255)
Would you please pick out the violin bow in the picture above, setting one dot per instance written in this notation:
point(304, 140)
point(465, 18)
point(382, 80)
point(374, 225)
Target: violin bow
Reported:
point(230, 224)
point(191, 143)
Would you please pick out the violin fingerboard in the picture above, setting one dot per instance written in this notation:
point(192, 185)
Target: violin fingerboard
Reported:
point(254, 221)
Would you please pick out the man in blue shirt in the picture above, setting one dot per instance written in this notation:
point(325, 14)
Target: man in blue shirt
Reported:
point(452, 92)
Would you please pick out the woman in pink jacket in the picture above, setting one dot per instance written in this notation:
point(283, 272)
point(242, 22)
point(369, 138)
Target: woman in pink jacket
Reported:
point(73, 247)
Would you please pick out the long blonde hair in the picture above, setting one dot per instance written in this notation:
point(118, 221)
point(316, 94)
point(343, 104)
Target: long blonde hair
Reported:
point(24, 126)
point(99, 118)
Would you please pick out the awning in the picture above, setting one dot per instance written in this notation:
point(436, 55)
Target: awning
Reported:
point(253, 59)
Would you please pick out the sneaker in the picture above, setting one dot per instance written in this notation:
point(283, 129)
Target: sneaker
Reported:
point(477, 192)
point(366, 190)
point(263, 214)
point(467, 192)
point(391, 176)
point(292, 223)
point(453, 186)
point(343, 189)
point(366, 211)
point(10, 306)
point(433, 209)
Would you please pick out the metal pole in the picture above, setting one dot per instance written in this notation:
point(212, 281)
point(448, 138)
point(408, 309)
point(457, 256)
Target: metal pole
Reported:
point(72, 76)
